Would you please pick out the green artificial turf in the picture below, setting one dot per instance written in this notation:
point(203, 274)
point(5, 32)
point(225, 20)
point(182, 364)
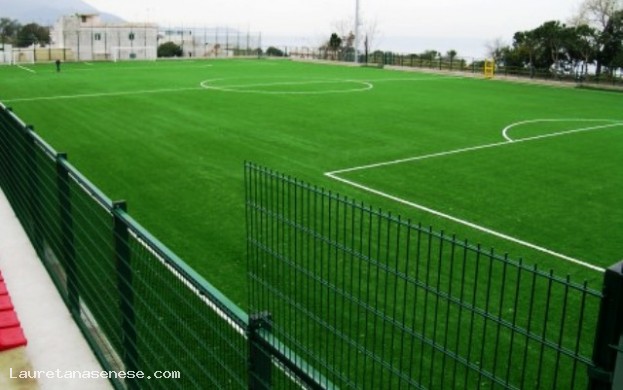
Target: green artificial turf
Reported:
point(171, 139)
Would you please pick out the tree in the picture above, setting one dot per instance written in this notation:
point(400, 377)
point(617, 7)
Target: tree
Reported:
point(611, 41)
point(8, 30)
point(377, 56)
point(495, 49)
point(368, 32)
point(169, 49)
point(274, 52)
point(451, 55)
point(598, 14)
point(550, 44)
point(513, 57)
point(348, 47)
point(526, 45)
point(584, 46)
point(554, 38)
point(32, 34)
point(595, 35)
point(429, 55)
point(334, 44)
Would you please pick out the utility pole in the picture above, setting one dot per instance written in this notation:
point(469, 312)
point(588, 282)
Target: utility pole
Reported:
point(356, 31)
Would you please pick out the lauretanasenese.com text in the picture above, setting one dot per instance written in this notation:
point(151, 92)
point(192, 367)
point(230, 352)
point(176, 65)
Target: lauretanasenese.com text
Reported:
point(77, 374)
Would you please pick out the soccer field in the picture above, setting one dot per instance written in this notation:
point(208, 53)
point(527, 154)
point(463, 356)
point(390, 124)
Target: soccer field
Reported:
point(529, 170)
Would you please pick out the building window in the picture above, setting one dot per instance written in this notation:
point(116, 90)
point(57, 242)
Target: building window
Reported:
point(131, 36)
point(97, 37)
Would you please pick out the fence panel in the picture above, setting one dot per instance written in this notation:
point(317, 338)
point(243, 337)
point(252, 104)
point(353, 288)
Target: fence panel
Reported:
point(180, 322)
point(373, 301)
point(140, 307)
point(14, 167)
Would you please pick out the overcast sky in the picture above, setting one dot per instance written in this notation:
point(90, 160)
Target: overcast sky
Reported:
point(455, 24)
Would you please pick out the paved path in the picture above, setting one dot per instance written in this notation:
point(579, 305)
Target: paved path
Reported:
point(55, 344)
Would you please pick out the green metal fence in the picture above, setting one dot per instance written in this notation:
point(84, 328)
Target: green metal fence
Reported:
point(434, 62)
point(374, 301)
point(140, 307)
point(342, 295)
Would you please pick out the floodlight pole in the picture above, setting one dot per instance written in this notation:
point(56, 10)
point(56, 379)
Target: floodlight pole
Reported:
point(356, 31)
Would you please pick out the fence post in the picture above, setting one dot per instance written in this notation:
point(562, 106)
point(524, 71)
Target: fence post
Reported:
point(260, 363)
point(617, 379)
point(68, 252)
point(126, 292)
point(609, 331)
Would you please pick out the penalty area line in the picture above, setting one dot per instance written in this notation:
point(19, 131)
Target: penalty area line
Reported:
point(508, 141)
point(612, 123)
point(472, 225)
point(416, 158)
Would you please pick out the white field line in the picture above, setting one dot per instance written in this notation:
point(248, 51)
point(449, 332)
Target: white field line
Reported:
point(367, 84)
point(334, 175)
point(105, 94)
point(416, 158)
point(465, 222)
point(156, 67)
point(508, 128)
point(473, 148)
point(286, 83)
point(204, 85)
point(90, 67)
point(26, 69)
point(247, 88)
point(431, 78)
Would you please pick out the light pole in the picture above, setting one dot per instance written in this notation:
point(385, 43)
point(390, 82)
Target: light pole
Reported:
point(356, 31)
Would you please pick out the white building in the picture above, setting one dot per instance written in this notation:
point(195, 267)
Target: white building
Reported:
point(90, 39)
point(6, 54)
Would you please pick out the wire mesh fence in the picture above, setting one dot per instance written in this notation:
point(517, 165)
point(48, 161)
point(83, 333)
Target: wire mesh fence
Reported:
point(433, 61)
point(374, 301)
point(342, 295)
point(142, 309)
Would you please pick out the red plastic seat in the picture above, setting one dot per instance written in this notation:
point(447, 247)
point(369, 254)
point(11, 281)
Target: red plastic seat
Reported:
point(12, 338)
point(5, 303)
point(8, 319)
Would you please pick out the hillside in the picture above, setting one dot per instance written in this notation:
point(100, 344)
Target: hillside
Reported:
point(46, 12)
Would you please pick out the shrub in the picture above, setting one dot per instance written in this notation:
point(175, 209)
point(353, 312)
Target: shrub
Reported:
point(169, 49)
